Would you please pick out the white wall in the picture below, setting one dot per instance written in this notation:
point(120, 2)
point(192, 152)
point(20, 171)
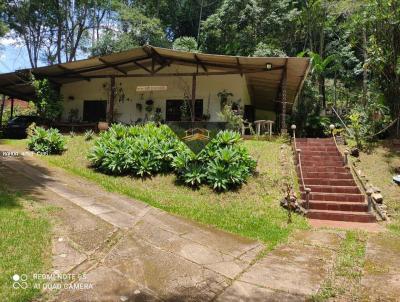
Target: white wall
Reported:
point(207, 89)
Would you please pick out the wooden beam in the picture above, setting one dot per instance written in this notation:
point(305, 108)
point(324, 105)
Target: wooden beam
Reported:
point(108, 64)
point(200, 62)
point(177, 74)
point(12, 108)
point(142, 66)
point(69, 71)
point(284, 101)
point(112, 100)
point(193, 113)
point(3, 102)
point(239, 66)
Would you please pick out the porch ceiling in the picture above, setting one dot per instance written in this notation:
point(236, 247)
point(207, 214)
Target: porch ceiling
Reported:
point(263, 74)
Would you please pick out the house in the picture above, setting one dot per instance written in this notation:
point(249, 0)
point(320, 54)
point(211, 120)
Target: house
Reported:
point(137, 84)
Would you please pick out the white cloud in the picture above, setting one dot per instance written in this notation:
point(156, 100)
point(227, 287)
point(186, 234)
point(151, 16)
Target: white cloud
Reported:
point(11, 40)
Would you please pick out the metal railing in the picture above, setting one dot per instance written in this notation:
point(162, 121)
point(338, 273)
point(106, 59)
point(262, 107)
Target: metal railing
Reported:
point(298, 152)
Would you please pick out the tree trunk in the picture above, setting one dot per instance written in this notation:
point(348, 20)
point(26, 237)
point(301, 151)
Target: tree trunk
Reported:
point(365, 72)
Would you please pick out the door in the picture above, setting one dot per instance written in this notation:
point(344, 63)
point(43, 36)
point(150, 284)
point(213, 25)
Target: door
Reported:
point(173, 110)
point(94, 111)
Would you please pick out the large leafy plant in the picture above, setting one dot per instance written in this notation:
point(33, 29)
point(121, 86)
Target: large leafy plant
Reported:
point(46, 142)
point(150, 149)
point(223, 164)
point(139, 150)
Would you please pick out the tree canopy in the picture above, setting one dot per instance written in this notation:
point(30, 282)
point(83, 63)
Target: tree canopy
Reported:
point(355, 45)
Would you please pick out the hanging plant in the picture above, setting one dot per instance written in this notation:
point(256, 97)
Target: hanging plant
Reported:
point(149, 105)
point(139, 107)
point(224, 97)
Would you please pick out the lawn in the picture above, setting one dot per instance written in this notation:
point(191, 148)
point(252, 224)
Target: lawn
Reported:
point(378, 165)
point(24, 244)
point(252, 211)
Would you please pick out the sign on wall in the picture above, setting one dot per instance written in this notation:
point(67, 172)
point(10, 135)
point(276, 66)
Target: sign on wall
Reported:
point(151, 88)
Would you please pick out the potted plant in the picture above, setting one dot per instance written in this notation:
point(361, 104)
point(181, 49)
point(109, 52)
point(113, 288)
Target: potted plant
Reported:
point(149, 105)
point(224, 97)
point(139, 107)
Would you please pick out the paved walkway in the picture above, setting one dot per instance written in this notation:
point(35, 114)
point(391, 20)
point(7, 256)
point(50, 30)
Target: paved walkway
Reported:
point(130, 251)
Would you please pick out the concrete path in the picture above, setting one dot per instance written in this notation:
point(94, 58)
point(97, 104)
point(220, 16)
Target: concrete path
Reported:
point(381, 275)
point(126, 250)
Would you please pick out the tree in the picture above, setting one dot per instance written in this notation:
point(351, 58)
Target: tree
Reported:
point(48, 100)
point(3, 27)
point(185, 44)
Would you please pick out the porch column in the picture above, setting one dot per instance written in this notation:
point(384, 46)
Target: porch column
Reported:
point(3, 101)
point(284, 100)
point(112, 99)
point(193, 98)
point(12, 108)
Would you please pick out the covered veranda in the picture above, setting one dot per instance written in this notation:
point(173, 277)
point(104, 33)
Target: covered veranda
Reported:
point(273, 84)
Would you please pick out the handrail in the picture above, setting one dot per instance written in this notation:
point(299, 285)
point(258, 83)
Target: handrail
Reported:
point(298, 152)
point(337, 114)
point(358, 180)
point(346, 153)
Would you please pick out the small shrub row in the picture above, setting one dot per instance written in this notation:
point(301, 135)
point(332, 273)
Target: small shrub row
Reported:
point(45, 142)
point(149, 149)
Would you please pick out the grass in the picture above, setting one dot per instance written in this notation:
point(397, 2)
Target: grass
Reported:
point(252, 211)
point(344, 281)
point(378, 165)
point(24, 244)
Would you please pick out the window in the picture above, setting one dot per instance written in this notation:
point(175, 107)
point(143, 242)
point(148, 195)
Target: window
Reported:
point(173, 110)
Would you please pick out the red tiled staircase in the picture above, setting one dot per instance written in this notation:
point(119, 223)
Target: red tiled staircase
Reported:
point(334, 193)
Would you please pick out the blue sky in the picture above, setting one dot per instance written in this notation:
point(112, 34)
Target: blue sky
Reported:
point(12, 55)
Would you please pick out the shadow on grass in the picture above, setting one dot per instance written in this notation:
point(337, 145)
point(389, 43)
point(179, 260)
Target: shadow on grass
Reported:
point(20, 176)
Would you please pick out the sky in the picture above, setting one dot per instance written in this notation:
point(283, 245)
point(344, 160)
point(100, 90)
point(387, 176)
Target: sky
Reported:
point(13, 55)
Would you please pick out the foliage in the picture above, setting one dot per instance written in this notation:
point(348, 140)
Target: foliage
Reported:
point(223, 164)
point(234, 120)
point(89, 134)
point(267, 50)
point(185, 44)
point(150, 149)
point(142, 150)
point(48, 100)
point(46, 142)
point(364, 123)
point(111, 42)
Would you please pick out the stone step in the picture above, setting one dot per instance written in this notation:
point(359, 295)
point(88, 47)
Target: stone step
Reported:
point(305, 148)
point(341, 215)
point(329, 182)
point(337, 206)
point(307, 153)
point(333, 189)
point(343, 197)
point(325, 169)
point(322, 163)
point(322, 158)
point(330, 175)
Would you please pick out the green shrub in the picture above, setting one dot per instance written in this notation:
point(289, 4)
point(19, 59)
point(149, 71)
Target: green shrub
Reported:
point(89, 134)
point(149, 149)
point(223, 163)
point(46, 142)
point(139, 150)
